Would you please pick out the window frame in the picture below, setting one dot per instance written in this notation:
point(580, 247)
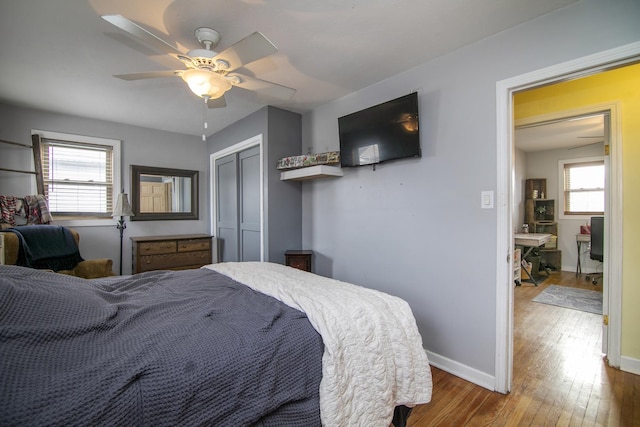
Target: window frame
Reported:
point(85, 220)
point(561, 190)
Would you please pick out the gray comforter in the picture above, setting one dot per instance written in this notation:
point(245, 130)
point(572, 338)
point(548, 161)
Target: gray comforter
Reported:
point(159, 348)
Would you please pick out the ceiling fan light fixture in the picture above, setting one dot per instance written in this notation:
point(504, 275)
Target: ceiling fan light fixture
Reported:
point(206, 71)
point(206, 83)
point(201, 53)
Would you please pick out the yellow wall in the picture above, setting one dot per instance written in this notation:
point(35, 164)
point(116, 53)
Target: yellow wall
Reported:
point(621, 85)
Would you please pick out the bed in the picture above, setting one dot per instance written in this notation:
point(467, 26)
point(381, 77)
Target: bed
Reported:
point(230, 344)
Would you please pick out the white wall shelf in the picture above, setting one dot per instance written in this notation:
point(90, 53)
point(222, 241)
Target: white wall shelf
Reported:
point(311, 172)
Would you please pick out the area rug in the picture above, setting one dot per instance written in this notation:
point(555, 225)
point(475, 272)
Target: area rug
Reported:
point(577, 299)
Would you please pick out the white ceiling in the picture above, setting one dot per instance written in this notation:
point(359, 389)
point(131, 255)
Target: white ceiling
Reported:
point(59, 55)
point(560, 134)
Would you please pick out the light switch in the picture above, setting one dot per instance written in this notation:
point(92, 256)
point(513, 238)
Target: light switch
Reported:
point(486, 200)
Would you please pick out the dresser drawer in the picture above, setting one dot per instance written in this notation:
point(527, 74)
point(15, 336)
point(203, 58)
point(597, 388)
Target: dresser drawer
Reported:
point(299, 263)
point(194, 245)
point(176, 261)
point(162, 247)
point(298, 259)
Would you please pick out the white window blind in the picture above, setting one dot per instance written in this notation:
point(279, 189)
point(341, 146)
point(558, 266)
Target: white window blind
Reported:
point(78, 177)
point(584, 184)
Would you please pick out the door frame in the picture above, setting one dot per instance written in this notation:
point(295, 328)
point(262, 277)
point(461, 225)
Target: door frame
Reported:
point(612, 132)
point(255, 141)
point(505, 89)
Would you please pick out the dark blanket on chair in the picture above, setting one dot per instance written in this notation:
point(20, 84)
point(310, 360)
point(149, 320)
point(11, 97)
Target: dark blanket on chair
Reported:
point(163, 348)
point(47, 247)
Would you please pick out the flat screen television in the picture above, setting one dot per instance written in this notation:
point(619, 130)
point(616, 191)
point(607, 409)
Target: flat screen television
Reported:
point(383, 132)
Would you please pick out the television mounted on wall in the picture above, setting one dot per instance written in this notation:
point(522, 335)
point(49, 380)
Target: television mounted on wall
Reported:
point(386, 131)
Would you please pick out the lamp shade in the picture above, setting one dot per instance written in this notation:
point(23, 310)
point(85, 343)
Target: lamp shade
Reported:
point(123, 208)
point(206, 83)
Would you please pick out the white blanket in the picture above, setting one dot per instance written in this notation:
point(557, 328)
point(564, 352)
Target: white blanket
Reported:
point(373, 358)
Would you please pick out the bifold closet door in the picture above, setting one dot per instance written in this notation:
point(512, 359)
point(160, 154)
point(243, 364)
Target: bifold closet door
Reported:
point(249, 204)
point(238, 206)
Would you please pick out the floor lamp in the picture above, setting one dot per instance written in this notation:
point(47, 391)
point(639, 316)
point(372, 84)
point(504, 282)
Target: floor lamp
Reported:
point(122, 209)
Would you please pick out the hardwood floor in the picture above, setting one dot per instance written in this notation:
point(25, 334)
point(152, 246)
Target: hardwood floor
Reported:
point(560, 377)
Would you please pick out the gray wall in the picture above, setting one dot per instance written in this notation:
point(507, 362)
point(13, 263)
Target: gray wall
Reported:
point(281, 132)
point(140, 146)
point(285, 197)
point(252, 125)
point(414, 228)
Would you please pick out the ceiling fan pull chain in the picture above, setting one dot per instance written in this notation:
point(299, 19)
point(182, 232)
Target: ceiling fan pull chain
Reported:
point(204, 117)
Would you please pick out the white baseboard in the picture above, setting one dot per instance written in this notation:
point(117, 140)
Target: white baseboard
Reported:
point(463, 371)
point(629, 364)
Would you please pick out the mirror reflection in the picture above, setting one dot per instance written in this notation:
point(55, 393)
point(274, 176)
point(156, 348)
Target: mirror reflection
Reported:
point(163, 193)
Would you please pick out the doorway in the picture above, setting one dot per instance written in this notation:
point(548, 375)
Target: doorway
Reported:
point(238, 206)
point(556, 149)
point(237, 201)
point(504, 293)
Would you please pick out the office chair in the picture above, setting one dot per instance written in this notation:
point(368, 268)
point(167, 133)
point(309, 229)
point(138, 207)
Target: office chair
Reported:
point(597, 243)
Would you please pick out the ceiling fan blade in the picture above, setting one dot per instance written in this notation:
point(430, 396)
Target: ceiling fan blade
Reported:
point(585, 145)
point(149, 75)
point(217, 103)
point(263, 86)
point(137, 31)
point(249, 49)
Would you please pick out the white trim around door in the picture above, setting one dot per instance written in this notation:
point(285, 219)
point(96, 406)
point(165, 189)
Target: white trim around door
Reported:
point(504, 273)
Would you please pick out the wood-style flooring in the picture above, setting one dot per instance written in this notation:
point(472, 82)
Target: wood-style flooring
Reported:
point(560, 377)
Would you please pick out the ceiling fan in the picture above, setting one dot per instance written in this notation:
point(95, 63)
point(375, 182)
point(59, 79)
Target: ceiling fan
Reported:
point(209, 74)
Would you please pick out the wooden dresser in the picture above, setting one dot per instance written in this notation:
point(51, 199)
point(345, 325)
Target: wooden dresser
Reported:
point(179, 252)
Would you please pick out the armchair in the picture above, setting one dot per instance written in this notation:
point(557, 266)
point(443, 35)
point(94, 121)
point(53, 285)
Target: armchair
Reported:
point(87, 269)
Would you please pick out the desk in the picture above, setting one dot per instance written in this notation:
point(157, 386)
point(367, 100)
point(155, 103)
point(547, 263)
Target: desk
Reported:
point(530, 241)
point(580, 240)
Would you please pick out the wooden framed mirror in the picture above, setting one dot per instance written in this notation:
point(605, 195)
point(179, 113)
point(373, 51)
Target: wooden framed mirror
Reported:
point(160, 194)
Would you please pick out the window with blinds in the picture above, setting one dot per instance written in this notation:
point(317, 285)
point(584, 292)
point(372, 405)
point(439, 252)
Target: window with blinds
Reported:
point(78, 177)
point(584, 184)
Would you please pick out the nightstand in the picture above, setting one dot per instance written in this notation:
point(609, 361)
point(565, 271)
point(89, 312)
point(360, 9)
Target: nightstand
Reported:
point(298, 259)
